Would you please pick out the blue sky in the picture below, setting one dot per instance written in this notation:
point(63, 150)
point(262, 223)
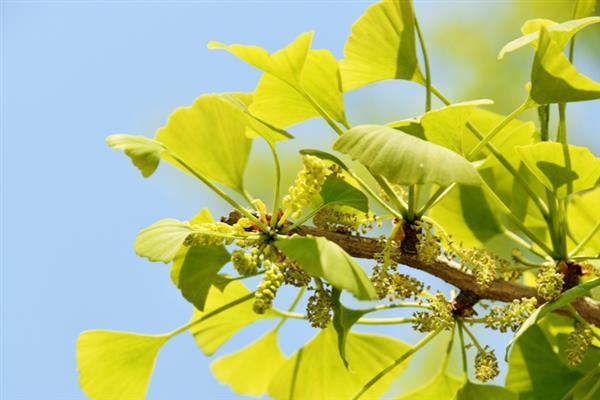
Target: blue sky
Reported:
point(74, 72)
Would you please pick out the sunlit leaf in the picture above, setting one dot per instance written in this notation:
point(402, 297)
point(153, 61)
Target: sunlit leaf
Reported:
point(339, 192)
point(474, 391)
point(404, 159)
point(283, 105)
point(316, 370)
point(381, 46)
point(584, 8)
point(250, 370)
point(325, 259)
point(323, 155)
point(535, 371)
point(213, 332)
point(210, 136)
point(554, 79)
point(116, 365)
point(286, 64)
point(443, 386)
point(144, 152)
point(583, 214)
point(162, 240)
point(343, 320)
point(560, 33)
point(563, 169)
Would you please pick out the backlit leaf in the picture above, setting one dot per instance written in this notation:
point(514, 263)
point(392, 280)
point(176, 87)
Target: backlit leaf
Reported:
point(162, 240)
point(325, 259)
point(343, 320)
point(583, 214)
point(563, 169)
point(250, 370)
point(554, 79)
point(404, 159)
point(210, 136)
point(381, 46)
point(339, 192)
point(283, 105)
point(442, 387)
point(144, 152)
point(474, 391)
point(316, 370)
point(116, 365)
point(213, 332)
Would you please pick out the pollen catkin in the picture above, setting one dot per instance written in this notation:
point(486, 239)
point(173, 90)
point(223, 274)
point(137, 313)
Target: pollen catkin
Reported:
point(578, 342)
point(510, 316)
point(294, 274)
point(267, 289)
point(484, 264)
point(333, 218)
point(428, 247)
point(549, 282)
point(319, 309)
point(205, 238)
point(486, 365)
point(245, 264)
point(306, 186)
point(440, 315)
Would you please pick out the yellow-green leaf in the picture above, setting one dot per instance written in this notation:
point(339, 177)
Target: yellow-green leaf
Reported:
point(381, 46)
point(560, 33)
point(323, 258)
point(210, 137)
point(554, 79)
point(286, 64)
point(404, 159)
point(213, 332)
point(474, 391)
point(583, 214)
point(116, 365)
point(250, 370)
point(162, 240)
point(563, 169)
point(443, 386)
point(144, 152)
point(282, 105)
point(316, 370)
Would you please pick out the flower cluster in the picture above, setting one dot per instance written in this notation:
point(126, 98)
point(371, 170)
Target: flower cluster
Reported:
point(511, 315)
point(294, 274)
point(205, 236)
point(549, 282)
point(307, 185)
point(319, 308)
point(484, 264)
point(394, 285)
point(334, 218)
point(267, 289)
point(429, 246)
point(578, 342)
point(246, 264)
point(486, 365)
point(439, 316)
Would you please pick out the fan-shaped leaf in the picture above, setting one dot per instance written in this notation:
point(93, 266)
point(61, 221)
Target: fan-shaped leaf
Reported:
point(210, 136)
point(116, 365)
point(404, 159)
point(316, 370)
point(554, 79)
point(144, 152)
point(560, 33)
point(474, 391)
point(583, 214)
point(338, 191)
point(325, 259)
point(286, 64)
point(563, 169)
point(250, 370)
point(213, 332)
point(162, 240)
point(443, 386)
point(282, 105)
point(381, 46)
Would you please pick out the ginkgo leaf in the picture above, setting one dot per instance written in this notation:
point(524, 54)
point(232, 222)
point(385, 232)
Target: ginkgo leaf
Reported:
point(560, 33)
point(583, 214)
point(257, 125)
point(443, 386)
point(337, 191)
point(325, 259)
point(286, 64)
point(343, 320)
point(554, 79)
point(144, 152)
point(250, 370)
point(474, 391)
point(283, 105)
point(116, 365)
point(584, 8)
point(213, 332)
point(316, 370)
point(381, 46)
point(404, 159)
point(162, 240)
point(563, 169)
point(210, 137)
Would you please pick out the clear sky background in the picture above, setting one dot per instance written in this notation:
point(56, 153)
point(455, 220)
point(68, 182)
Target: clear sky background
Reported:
point(74, 72)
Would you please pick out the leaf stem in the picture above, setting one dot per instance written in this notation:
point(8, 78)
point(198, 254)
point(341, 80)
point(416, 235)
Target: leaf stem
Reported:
point(322, 111)
point(463, 349)
point(449, 350)
point(426, 63)
point(399, 361)
point(439, 194)
point(473, 339)
point(585, 240)
point(400, 205)
point(275, 211)
point(561, 134)
point(290, 309)
point(412, 202)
